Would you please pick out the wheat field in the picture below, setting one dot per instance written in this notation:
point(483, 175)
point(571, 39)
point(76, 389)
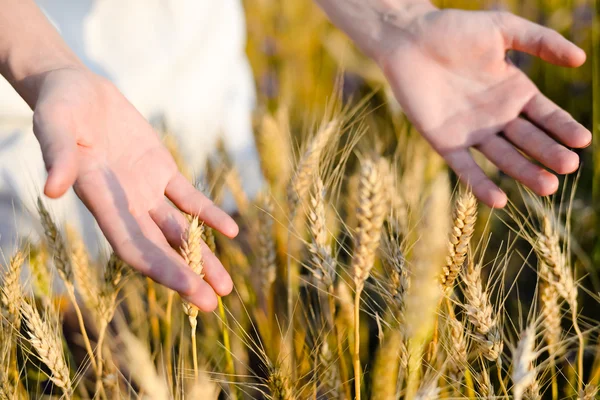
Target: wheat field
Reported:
point(362, 270)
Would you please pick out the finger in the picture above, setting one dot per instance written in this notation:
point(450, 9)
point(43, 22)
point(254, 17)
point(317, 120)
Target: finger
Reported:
point(541, 147)
point(173, 224)
point(557, 122)
point(59, 149)
point(139, 242)
point(185, 196)
point(526, 36)
point(504, 155)
point(472, 175)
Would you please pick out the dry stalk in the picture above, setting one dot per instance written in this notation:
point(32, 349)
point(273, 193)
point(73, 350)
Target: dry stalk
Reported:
point(465, 216)
point(43, 336)
point(370, 215)
point(487, 332)
point(523, 374)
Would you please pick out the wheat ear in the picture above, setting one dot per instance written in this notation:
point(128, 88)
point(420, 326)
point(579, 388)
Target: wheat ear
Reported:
point(523, 373)
point(45, 340)
point(465, 216)
point(487, 331)
point(191, 252)
point(280, 385)
point(371, 212)
point(85, 276)
point(267, 254)
point(11, 293)
point(309, 164)
point(57, 245)
point(556, 271)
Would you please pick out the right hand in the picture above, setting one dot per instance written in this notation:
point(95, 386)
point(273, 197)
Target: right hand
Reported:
point(93, 139)
point(449, 71)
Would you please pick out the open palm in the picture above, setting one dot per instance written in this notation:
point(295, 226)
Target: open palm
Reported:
point(92, 137)
point(450, 74)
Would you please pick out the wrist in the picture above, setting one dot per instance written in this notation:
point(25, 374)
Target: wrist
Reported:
point(376, 26)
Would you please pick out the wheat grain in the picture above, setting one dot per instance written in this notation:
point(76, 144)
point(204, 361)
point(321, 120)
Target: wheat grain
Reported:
point(465, 216)
point(523, 373)
point(43, 337)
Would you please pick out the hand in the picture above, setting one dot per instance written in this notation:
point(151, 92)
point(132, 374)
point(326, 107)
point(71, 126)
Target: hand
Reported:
point(449, 71)
point(93, 138)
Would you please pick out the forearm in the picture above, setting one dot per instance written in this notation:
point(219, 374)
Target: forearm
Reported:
point(29, 47)
point(367, 22)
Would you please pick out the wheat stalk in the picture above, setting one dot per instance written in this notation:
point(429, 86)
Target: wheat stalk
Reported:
point(44, 338)
point(523, 373)
point(370, 215)
point(465, 216)
point(191, 252)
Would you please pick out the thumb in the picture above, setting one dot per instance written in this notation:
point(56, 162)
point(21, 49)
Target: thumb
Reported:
point(59, 149)
point(523, 35)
